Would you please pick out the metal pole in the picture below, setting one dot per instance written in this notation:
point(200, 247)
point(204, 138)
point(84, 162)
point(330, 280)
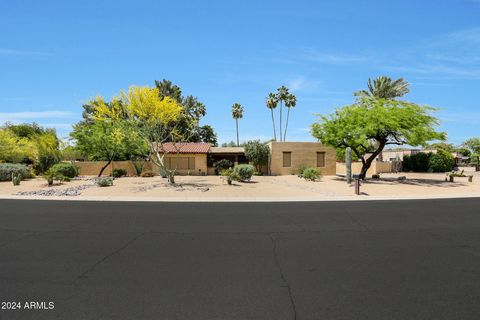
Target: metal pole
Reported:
point(357, 186)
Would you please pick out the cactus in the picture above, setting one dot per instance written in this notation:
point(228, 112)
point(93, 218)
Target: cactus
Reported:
point(348, 164)
point(16, 178)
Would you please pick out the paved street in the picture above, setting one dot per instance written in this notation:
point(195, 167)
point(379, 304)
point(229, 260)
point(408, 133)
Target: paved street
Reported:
point(416, 259)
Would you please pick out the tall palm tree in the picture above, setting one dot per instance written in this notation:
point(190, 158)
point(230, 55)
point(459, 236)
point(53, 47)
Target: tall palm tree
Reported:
point(272, 103)
point(282, 95)
point(290, 102)
point(385, 88)
point(237, 113)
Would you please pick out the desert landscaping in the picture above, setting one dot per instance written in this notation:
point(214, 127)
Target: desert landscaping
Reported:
point(260, 188)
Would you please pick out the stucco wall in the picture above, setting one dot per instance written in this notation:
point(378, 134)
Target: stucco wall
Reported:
point(303, 154)
point(376, 167)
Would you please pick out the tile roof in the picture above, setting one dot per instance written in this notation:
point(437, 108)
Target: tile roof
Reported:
point(183, 147)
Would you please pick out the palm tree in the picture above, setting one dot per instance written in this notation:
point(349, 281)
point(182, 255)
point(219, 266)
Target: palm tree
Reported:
point(272, 103)
point(385, 88)
point(290, 102)
point(282, 95)
point(237, 113)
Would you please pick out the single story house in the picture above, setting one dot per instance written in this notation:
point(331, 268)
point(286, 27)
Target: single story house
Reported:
point(285, 157)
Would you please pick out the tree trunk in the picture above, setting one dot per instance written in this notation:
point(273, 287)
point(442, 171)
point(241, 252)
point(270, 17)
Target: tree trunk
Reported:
point(286, 126)
point(281, 105)
point(238, 141)
point(273, 123)
point(367, 163)
point(105, 166)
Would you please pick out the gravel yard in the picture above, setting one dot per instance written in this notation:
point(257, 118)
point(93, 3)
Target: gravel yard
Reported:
point(214, 188)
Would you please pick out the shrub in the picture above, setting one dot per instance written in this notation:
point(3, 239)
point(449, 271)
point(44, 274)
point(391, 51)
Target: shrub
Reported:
point(417, 162)
point(65, 169)
point(222, 165)
point(230, 174)
point(6, 170)
point(52, 175)
point(407, 163)
point(118, 172)
point(105, 181)
point(311, 174)
point(437, 164)
point(244, 171)
point(16, 178)
point(148, 174)
point(447, 158)
point(300, 170)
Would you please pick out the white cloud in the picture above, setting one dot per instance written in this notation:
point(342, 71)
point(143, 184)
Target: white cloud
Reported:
point(301, 83)
point(34, 115)
point(13, 52)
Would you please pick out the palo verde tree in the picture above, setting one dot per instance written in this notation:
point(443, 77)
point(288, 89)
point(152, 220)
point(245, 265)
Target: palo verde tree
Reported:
point(152, 117)
point(237, 113)
point(370, 124)
point(112, 140)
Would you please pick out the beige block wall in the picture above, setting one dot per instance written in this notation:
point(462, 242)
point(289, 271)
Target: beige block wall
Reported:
point(376, 167)
point(303, 154)
point(92, 168)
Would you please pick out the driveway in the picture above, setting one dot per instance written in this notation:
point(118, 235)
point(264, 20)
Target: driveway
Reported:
point(415, 259)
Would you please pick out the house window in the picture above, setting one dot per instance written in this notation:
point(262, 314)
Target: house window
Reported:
point(320, 159)
point(181, 163)
point(287, 159)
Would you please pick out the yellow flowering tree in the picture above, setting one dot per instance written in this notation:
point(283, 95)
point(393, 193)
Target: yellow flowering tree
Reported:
point(15, 149)
point(153, 117)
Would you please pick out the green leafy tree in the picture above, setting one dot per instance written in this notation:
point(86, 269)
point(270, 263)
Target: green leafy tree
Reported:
point(107, 141)
point(378, 123)
point(473, 144)
point(188, 125)
point(384, 88)
point(237, 113)
point(258, 153)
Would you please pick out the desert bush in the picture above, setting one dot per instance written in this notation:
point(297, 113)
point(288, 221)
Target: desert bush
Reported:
point(104, 181)
point(222, 165)
point(51, 175)
point(6, 170)
point(230, 174)
point(244, 171)
point(148, 174)
point(65, 169)
point(118, 172)
point(16, 178)
point(311, 174)
point(300, 170)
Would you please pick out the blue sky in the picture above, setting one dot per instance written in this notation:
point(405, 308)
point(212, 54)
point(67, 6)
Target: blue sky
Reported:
point(56, 55)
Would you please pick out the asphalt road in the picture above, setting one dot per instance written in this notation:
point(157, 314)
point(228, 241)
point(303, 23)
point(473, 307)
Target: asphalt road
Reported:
point(417, 259)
